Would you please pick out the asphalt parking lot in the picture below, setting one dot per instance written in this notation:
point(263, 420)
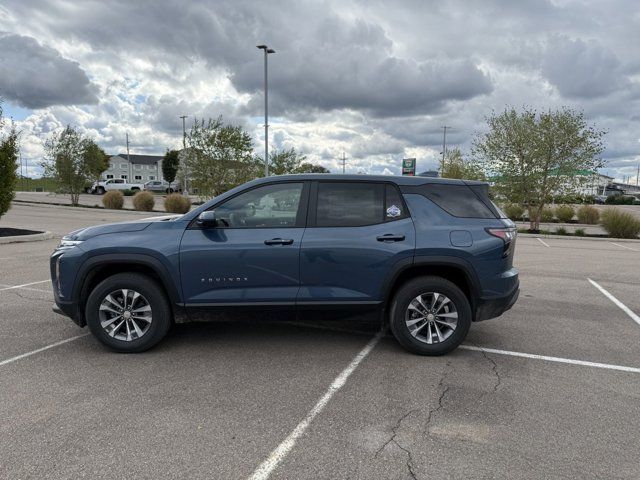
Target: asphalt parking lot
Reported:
point(232, 400)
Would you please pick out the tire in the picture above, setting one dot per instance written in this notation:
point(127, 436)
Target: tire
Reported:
point(168, 191)
point(100, 320)
point(100, 190)
point(450, 301)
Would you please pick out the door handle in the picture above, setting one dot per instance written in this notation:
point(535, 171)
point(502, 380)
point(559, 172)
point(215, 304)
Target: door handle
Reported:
point(279, 241)
point(389, 237)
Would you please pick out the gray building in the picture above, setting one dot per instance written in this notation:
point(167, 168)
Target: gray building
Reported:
point(134, 168)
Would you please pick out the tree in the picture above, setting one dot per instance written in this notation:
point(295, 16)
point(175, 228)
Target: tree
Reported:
point(219, 157)
point(170, 164)
point(310, 168)
point(284, 161)
point(290, 161)
point(456, 166)
point(532, 156)
point(8, 166)
point(73, 161)
point(95, 158)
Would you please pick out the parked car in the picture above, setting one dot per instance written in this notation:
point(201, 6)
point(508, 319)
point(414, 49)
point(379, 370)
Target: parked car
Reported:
point(600, 199)
point(428, 255)
point(162, 186)
point(115, 184)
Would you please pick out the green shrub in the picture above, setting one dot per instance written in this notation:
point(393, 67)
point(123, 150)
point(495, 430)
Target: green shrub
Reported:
point(514, 211)
point(619, 200)
point(177, 203)
point(9, 152)
point(113, 199)
point(128, 193)
point(546, 215)
point(564, 213)
point(588, 214)
point(561, 231)
point(579, 232)
point(143, 201)
point(620, 224)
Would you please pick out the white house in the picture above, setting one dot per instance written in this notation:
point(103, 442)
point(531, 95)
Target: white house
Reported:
point(135, 168)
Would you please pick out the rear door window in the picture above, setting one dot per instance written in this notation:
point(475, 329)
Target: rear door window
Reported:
point(350, 204)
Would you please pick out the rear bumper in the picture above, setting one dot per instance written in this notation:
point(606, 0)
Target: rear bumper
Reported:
point(494, 307)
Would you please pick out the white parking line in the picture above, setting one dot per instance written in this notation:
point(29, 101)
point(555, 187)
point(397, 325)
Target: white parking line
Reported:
point(607, 366)
point(33, 352)
point(23, 285)
point(624, 246)
point(543, 242)
point(622, 306)
point(264, 470)
point(31, 289)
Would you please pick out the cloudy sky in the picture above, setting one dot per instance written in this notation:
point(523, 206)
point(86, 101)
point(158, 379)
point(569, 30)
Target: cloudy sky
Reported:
point(374, 79)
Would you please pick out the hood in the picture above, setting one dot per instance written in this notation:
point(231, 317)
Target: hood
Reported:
point(134, 226)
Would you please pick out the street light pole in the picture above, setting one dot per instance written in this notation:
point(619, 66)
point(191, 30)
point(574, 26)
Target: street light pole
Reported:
point(184, 153)
point(444, 147)
point(267, 51)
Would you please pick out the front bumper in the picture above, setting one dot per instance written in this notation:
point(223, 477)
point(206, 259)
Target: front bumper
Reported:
point(488, 308)
point(68, 309)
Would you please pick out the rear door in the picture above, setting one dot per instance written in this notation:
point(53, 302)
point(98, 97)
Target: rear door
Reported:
point(357, 233)
point(252, 256)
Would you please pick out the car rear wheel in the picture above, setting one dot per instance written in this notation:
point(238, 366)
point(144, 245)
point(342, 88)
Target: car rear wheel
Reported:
point(100, 190)
point(128, 312)
point(430, 316)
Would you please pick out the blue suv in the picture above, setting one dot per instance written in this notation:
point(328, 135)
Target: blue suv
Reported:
point(428, 255)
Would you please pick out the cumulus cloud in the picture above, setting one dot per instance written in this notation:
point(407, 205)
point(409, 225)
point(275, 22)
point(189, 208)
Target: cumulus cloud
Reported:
point(582, 69)
point(372, 80)
point(37, 76)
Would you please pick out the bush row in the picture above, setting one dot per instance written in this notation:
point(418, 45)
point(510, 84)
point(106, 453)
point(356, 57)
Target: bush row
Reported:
point(564, 213)
point(145, 201)
point(619, 200)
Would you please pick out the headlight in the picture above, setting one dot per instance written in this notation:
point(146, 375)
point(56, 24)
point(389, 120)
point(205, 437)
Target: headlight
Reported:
point(66, 243)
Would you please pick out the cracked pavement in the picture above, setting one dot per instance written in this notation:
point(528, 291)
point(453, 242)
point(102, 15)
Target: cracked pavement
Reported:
point(214, 400)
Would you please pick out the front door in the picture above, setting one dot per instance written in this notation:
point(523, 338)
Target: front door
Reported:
point(357, 234)
point(251, 256)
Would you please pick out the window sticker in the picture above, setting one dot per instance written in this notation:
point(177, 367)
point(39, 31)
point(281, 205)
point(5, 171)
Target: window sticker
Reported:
point(394, 211)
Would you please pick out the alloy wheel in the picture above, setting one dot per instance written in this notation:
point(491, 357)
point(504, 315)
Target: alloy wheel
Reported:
point(431, 317)
point(125, 315)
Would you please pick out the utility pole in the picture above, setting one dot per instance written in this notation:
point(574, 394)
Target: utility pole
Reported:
point(444, 147)
point(21, 174)
point(638, 176)
point(184, 153)
point(267, 51)
point(344, 162)
point(128, 159)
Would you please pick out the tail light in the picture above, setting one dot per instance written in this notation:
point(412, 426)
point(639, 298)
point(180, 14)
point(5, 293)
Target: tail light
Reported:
point(507, 235)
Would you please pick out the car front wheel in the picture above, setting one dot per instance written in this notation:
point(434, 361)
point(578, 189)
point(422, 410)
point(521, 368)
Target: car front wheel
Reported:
point(128, 312)
point(430, 316)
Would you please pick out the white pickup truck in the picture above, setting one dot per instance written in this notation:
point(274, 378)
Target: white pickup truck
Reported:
point(115, 184)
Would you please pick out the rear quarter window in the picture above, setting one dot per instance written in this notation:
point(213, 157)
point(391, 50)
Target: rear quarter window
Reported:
point(457, 200)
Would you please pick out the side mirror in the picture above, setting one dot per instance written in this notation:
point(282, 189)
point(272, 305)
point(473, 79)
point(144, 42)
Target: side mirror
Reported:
point(207, 219)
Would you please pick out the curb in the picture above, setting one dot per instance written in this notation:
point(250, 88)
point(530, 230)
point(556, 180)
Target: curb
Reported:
point(572, 237)
point(67, 206)
point(36, 237)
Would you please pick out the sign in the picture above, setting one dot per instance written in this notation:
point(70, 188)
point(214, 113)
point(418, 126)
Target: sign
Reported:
point(409, 166)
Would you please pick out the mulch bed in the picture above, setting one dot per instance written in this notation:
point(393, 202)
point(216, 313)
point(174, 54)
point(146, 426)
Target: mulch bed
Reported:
point(10, 232)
